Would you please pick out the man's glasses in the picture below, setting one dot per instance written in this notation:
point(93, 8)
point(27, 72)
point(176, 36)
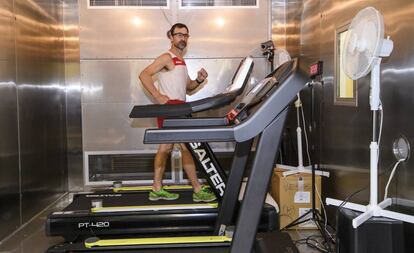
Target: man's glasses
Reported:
point(181, 35)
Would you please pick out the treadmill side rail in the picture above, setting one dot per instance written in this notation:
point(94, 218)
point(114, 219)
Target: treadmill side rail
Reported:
point(153, 208)
point(156, 241)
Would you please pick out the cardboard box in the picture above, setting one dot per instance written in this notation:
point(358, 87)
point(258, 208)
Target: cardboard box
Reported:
point(293, 194)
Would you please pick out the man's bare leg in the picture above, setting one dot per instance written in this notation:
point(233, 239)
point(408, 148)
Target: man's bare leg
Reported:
point(189, 168)
point(201, 193)
point(159, 165)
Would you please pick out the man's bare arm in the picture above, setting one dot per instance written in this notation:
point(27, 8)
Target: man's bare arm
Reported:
point(146, 77)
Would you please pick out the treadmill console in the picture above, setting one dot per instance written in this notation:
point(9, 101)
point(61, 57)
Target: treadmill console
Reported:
point(239, 78)
point(259, 92)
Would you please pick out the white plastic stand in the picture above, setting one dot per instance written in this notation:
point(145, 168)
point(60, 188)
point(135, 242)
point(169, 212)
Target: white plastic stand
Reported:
point(300, 168)
point(373, 209)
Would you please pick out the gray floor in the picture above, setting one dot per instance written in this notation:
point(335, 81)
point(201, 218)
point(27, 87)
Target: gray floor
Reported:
point(32, 239)
point(297, 235)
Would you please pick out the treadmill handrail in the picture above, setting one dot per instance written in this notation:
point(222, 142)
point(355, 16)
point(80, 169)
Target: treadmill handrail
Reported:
point(219, 100)
point(195, 122)
point(155, 110)
point(181, 135)
point(184, 109)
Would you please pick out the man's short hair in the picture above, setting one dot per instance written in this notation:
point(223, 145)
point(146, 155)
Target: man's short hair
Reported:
point(176, 25)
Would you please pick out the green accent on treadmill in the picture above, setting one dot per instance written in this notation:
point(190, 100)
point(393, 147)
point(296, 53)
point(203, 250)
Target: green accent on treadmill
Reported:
point(155, 207)
point(149, 188)
point(157, 241)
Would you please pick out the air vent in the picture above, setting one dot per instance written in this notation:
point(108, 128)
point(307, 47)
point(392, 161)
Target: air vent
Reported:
point(127, 3)
point(104, 168)
point(219, 3)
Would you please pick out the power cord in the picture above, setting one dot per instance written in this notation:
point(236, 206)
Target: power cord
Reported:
point(391, 176)
point(306, 136)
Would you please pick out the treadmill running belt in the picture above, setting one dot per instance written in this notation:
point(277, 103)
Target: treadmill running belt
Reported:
point(83, 201)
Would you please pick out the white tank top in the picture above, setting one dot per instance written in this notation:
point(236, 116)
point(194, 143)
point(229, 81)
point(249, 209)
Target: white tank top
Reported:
point(173, 83)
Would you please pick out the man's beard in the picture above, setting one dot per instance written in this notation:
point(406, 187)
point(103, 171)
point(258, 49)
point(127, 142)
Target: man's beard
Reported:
point(181, 45)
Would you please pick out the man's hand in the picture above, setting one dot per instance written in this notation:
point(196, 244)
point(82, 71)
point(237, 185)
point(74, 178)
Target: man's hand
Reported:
point(201, 75)
point(162, 99)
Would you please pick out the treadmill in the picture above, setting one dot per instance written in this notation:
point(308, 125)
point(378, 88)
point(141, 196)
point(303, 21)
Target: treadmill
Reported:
point(262, 117)
point(127, 210)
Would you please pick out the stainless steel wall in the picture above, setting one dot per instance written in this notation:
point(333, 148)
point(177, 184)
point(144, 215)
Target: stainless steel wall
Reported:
point(73, 95)
point(9, 152)
point(32, 109)
point(41, 103)
point(278, 17)
point(293, 24)
point(345, 132)
point(117, 44)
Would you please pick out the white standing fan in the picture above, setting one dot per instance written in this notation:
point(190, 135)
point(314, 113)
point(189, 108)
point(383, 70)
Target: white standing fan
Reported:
point(364, 47)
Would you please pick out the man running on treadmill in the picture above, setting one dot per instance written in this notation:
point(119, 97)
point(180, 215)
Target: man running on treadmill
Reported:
point(174, 83)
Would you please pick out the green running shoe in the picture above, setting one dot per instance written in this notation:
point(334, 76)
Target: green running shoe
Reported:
point(162, 194)
point(204, 195)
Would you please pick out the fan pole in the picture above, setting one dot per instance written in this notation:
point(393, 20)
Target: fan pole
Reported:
point(373, 208)
point(300, 168)
point(375, 104)
point(375, 91)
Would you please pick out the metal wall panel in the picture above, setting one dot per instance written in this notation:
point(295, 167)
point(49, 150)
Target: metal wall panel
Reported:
point(293, 24)
point(113, 81)
point(108, 127)
point(9, 157)
point(278, 11)
point(141, 33)
point(218, 33)
point(346, 131)
point(41, 103)
point(397, 91)
point(122, 33)
point(73, 95)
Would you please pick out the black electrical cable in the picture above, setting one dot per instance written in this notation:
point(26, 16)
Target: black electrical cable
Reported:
point(340, 208)
point(312, 242)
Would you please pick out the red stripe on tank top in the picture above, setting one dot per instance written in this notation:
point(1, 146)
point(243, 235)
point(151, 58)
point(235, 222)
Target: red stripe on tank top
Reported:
point(178, 62)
